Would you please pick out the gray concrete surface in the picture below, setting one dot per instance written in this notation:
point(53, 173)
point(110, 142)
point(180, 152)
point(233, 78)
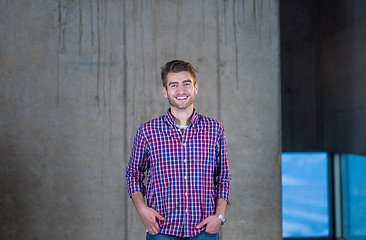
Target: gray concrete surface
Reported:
point(343, 73)
point(78, 77)
point(300, 83)
point(323, 76)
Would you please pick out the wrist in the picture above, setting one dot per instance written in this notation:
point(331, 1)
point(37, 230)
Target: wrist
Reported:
point(141, 208)
point(222, 219)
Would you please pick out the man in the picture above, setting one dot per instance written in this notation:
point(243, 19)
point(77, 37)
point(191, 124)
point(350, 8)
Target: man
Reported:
point(185, 157)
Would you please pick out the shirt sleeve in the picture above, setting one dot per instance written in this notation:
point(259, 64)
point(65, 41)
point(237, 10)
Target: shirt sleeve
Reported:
point(135, 172)
point(222, 173)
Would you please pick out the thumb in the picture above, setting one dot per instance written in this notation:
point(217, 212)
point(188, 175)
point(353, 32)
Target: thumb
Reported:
point(159, 216)
point(201, 224)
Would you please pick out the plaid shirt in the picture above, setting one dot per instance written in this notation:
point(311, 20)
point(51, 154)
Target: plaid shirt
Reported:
point(186, 171)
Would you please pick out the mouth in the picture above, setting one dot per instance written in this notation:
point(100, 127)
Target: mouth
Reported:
point(182, 98)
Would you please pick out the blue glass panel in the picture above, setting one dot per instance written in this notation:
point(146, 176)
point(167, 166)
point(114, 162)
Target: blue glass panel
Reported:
point(354, 195)
point(305, 208)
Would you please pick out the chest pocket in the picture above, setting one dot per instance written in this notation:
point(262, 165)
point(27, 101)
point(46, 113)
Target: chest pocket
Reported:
point(202, 151)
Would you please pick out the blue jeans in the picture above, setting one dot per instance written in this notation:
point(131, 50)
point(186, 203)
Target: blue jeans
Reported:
point(202, 236)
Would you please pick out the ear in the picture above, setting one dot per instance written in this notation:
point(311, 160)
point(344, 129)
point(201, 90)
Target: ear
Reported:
point(196, 88)
point(163, 89)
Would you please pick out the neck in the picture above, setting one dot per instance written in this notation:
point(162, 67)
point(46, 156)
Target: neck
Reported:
point(182, 116)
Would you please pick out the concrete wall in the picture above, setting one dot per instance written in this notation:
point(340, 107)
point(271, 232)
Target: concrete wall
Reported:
point(323, 71)
point(300, 84)
point(343, 74)
point(78, 77)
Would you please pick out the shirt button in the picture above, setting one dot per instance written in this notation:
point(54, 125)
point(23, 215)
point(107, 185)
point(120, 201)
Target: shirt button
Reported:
point(184, 144)
point(186, 194)
point(185, 160)
point(186, 210)
point(185, 177)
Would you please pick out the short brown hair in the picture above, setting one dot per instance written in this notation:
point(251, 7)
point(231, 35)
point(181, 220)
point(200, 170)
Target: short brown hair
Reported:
point(176, 66)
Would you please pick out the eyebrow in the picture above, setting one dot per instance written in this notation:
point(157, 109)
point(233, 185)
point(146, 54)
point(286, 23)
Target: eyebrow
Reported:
point(184, 81)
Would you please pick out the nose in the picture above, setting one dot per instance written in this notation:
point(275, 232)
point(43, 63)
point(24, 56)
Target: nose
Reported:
point(181, 88)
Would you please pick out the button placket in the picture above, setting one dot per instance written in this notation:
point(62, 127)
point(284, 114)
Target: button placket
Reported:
point(186, 163)
point(185, 176)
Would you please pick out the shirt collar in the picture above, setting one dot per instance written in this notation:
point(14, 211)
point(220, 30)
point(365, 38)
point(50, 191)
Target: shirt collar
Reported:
point(171, 121)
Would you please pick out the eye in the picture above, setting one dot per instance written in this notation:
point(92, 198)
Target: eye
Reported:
point(173, 85)
point(187, 84)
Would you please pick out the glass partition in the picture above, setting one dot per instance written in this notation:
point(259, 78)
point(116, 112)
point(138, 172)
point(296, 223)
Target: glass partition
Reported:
point(305, 204)
point(354, 196)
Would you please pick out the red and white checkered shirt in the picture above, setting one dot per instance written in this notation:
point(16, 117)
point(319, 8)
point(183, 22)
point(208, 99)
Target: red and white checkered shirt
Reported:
point(186, 171)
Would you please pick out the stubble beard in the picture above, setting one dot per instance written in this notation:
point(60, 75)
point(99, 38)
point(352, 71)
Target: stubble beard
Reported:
point(175, 103)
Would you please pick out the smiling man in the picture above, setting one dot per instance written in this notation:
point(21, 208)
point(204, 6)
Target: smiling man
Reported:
point(184, 155)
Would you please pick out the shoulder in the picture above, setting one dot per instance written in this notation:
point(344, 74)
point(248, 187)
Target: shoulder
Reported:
point(156, 123)
point(210, 122)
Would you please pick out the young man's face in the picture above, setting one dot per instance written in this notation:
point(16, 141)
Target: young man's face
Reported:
point(181, 90)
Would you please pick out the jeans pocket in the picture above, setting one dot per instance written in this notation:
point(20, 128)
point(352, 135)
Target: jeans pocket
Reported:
point(211, 235)
point(150, 236)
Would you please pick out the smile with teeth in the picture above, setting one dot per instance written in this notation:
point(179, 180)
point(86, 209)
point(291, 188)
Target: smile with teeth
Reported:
point(182, 98)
